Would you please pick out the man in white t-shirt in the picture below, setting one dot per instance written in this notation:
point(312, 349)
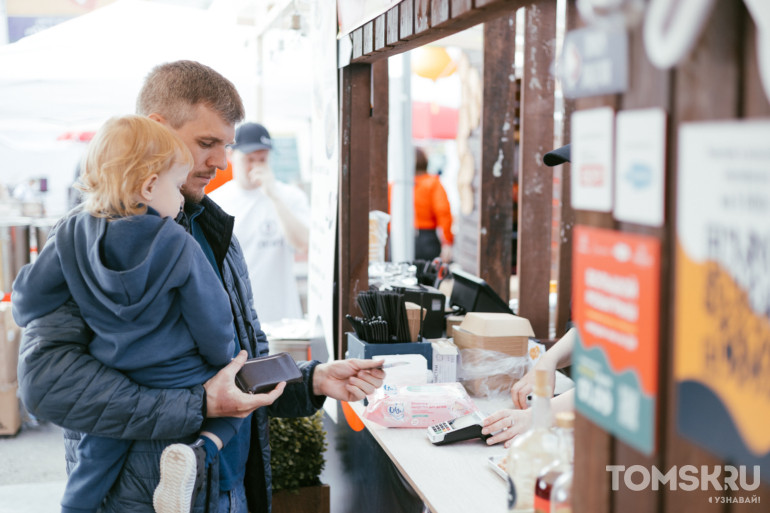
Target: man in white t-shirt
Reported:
point(271, 223)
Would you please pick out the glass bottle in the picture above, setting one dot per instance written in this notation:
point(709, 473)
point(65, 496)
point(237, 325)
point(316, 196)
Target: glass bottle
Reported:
point(565, 422)
point(561, 493)
point(531, 450)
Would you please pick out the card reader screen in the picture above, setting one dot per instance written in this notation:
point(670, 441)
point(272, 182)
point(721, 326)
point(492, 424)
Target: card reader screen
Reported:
point(464, 421)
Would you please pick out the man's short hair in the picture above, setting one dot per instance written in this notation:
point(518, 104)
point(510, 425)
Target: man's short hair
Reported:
point(174, 88)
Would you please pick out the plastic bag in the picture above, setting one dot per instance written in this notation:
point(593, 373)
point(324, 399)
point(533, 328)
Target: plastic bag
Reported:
point(491, 374)
point(418, 406)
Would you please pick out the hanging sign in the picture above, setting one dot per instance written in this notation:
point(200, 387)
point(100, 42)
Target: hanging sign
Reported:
point(640, 159)
point(722, 289)
point(594, 61)
point(672, 28)
point(615, 299)
point(592, 142)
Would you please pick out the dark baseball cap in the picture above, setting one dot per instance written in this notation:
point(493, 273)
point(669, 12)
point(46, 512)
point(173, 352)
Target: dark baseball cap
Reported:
point(251, 137)
point(557, 156)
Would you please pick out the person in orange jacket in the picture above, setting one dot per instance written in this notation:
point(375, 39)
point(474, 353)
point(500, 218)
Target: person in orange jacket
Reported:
point(431, 211)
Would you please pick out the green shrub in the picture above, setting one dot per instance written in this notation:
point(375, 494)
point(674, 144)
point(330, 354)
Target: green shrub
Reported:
point(297, 446)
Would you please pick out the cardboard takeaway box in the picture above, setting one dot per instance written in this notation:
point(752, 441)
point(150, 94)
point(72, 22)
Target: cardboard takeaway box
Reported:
point(10, 336)
point(502, 332)
point(10, 414)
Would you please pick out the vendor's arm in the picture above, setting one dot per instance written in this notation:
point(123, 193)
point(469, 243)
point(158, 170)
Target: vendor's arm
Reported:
point(509, 423)
point(61, 382)
point(559, 356)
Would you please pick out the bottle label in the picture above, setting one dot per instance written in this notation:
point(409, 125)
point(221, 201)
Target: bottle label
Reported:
point(542, 505)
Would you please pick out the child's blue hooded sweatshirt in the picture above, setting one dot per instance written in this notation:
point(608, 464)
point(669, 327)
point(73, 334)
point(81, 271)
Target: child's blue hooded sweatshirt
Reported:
point(143, 285)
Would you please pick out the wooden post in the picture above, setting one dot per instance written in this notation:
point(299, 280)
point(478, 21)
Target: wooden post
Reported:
point(353, 247)
point(497, 154)
point(535, 178)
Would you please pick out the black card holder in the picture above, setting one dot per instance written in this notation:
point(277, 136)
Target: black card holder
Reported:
point(262, 374)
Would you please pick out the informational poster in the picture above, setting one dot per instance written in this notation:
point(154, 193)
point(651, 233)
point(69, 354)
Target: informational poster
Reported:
point(616, 281)
point(592, 143)
point(640, 160)
point(722, 297)
point(324, 181)
point(594, 62)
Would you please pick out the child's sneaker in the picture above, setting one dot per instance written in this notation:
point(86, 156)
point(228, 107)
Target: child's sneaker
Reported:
point(182, 474)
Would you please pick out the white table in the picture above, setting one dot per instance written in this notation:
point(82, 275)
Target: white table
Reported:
point(449, 478)
point(453, 478)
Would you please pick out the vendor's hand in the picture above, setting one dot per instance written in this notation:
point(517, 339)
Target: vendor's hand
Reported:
point(523, 387)
point(348, 380)
point(262, 176)
point(446, 253)
point(509, 423)
point(225, 399)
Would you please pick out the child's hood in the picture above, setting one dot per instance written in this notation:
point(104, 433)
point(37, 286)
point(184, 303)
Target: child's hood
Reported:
point(126, 263)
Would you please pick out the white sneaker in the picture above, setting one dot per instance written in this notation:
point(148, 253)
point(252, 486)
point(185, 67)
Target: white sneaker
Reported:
point(182, 472)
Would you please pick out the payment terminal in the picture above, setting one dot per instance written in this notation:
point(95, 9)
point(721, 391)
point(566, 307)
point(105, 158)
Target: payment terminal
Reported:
point(462, 428)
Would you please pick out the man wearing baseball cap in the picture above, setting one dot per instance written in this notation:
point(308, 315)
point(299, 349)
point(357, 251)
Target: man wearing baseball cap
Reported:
point(271, 223)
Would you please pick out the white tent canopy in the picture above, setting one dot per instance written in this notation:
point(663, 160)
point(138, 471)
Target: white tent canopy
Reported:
point(79, 73)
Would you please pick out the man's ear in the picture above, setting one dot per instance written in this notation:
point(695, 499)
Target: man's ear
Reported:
point(159, 118)
point(148, 186)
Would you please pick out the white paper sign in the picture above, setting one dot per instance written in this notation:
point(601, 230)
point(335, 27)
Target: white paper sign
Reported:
point(323, 200)
point(592, 138)
point(640, 160)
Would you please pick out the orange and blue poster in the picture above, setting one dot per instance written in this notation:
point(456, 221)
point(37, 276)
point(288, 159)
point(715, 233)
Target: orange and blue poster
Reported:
point(616, 282)
point(722, 295)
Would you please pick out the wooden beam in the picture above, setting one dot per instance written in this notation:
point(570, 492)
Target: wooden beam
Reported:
point(427, 30)
point(421, 17)
point(378, 156)
point(380, 24)
point(353, 247)
point(439, 12)
point(567, 215)
point(497, 154)
point(406, 19)
point(358, 43)
point(368, 43)
point(535, 178)
point(460, 7)
point(392, 26)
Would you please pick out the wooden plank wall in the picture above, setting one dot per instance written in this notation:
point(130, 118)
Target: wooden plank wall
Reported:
point(717, 80)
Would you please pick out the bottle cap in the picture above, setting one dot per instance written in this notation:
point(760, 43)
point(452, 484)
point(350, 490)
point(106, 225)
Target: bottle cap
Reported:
point(565, 419)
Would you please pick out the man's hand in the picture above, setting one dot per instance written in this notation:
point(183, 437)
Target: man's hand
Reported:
point(225, 399)
point(348, 380)
point(262, 176)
